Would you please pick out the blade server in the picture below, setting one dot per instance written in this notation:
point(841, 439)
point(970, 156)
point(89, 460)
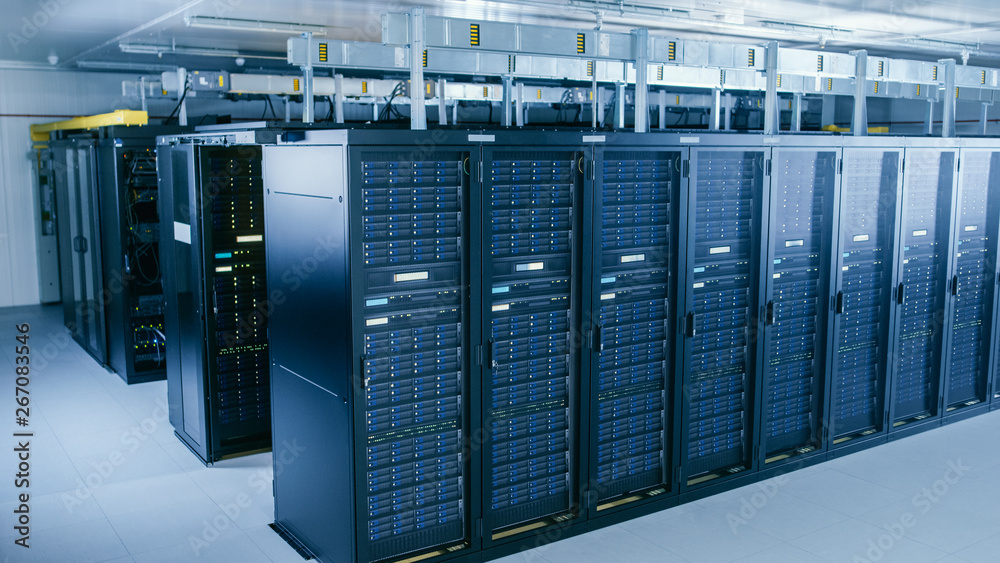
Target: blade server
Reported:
point(212, 252)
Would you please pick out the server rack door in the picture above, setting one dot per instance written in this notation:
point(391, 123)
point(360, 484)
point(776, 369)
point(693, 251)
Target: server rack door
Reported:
point(922, 271)
point(68, 223)
point(725, 210)
point(869, 211)
point(635, 260)
point(796, 317)
point(90, 307)
point(977, 211)
point(238, 367)
point(531, 221)
point(412, 293)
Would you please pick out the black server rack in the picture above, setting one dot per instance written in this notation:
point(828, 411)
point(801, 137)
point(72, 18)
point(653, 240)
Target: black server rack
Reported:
point(868, 215)
point(109, 237)
point(726, 199)
point(379, 391)
point(922, 265)
point(637, 200)
point(797, 317)
point(532, 202)
point(973, 281)
point(212, 255)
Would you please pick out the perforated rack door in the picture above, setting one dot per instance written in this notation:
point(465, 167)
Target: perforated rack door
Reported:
point(415, 306)
point(531, 262)
point(726, 199)
point(922, 262)
point(638, 198)
point(977, 214)
point(236, 287)
point(868, 214)
point(799, 267)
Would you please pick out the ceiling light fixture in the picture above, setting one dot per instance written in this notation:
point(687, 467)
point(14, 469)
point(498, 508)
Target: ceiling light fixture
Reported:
point(253, 25)
point(160, 50)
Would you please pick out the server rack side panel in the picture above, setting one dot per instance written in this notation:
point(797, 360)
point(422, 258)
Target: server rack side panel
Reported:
point(312, 372)
point(184, 315)
point(633, 303)
point(412, 297)
point(531, 223)
point(113, 265)
point(236, 307)
point(869, 211)
point(922, 265)
point(797, 275)
point(722, 293)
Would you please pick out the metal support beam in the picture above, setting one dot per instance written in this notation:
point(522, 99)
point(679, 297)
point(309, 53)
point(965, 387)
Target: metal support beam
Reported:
point(662, 94)
point(727, 112)
point(929, 123)
point(797, 112)
point(508, 93)
point(308, 101)
point(454, 113)
point(519, 105)
point(338, 98)
point(418, 108)
point(595, 98)
point(829, 110)
point(641, 38)
point(859, 121)
point(288, 108)
point(950, 94)
point(771, 114)
point(619, 105)
point(984, 117)
point(716, 110)
point(600, 108)
point(442, 102)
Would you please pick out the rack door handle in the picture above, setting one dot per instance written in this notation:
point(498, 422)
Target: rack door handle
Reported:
point(598, 336)
point(954, 286)
point(840, 303)
point(901, 293)
point(491, 354)
point(769, 313)
point(689, 329)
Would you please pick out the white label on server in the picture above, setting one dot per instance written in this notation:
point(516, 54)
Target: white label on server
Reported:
point(593, 138)
point(250, 238)
point(778, 275)
point(720, 249)
point(699, 285)
point(501, 307)
point(861, 238)
point(223, 269)
point(411, 276)
point(182, 232)
point(791, 243)
point(377, 322)
point(530, 267)
point(690, 140)
point(971, 228)
point(606, 296)
point(633, 258)
point(920, 233)
point(482, 138)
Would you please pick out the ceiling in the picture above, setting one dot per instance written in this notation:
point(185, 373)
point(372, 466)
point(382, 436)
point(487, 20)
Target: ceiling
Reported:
point(90, 33)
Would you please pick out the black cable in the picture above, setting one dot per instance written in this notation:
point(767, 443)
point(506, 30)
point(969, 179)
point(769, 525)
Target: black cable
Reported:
point(274, 114)
point(610, 104)
point(178, 106)
point(489, 121)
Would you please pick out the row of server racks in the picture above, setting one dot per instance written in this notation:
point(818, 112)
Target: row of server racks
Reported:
point(106, 218)
point(484, 340)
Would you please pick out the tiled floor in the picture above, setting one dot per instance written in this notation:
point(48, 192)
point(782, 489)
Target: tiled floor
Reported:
point(110, 482)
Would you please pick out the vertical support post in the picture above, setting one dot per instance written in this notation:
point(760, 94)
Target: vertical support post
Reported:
point(771, 114)
point(508, 92)
point(619, 105)
point(418, 108)
point(859, 122)
point(308, 101)
point(641, 38)
point(983, 117)
point(442, 102)
point(727, 112)
point(338, 97)
point(716, 110)
point(600, 108)
point(182, 113)
point(829, 110)
point(142, 92)
point(662, 94)
point(797, 112)
point(595, 99)
point(288, 109)
point(929, 123)
point(454, 113)
point(950, 94)
point(519, 105)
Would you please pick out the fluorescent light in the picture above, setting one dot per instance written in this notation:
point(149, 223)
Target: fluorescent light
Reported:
point(253, 25)
point(160, 50)
point(137, 67)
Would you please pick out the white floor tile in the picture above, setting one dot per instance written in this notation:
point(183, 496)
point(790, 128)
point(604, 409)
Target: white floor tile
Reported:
point(237, 548)
point(272, 545)
point(85, 542)
point(186, 523)
point(843, 493)
point(985, 551)
point(854, 540)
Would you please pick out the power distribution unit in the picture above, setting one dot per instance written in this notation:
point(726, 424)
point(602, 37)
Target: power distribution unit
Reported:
point(212, 254)
point(108, 227)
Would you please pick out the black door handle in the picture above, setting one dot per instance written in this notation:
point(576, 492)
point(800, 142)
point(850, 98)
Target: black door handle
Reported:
point(689, 329)
point(954, 286)
point(901, 294)
point(840, 303)
point(491, 354)
point(598, 336)
point(769, 313)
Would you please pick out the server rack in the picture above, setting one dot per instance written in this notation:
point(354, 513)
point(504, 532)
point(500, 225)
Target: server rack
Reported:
point(109, 237)
point(719, 346)
point(212, 255)
point(868, 214)
point(922, 264)
point(796, 316)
